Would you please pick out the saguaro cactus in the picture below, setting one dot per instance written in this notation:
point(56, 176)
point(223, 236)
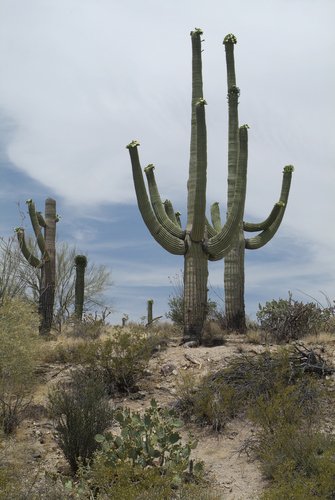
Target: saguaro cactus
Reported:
point(234, 261)
point(47, 262)
point(79, 287)
point(198, 243)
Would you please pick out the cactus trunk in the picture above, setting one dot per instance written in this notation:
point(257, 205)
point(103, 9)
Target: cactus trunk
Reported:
point(195, 292)
point(234, 286)
point(79, 287)
point(47, 292)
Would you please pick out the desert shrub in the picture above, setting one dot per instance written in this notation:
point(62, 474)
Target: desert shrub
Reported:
point(89, 328)
point(218, 397)
point(176, 302)
point(290, 319)
point(80, 410)
point(299, 460)
point(146, 460)
point(75, 352)
point(19, 355)
point(122, 359)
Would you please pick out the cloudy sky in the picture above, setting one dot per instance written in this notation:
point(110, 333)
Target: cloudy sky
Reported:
point(81, 78)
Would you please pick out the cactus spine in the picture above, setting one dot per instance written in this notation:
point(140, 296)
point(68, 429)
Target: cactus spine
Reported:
point(198, 243)
point(234, 261)
point(79, 287)
point(47, 262)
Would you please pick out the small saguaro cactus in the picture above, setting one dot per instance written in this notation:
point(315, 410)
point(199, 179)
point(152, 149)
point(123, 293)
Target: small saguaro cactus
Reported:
point(234, 260)
point(198, 242)
point(150, 304)
point(47, 261)
point(79, 287)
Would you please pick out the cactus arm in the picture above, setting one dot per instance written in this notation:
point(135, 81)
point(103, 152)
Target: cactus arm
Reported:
point(36, 226)
point(251, 227)
point(210, 229)
point(233, 126)
point(34, 261)
point(220, 244)
point(216, 217)
point(171, 243)
point(158, 206)
point(197, 93)
point(198, 225)
point(169, 210)
point(41, 220)
point(178, 214)
point(261, 239)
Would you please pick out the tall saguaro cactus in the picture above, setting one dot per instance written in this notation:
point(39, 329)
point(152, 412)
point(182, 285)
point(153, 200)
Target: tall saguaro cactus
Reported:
point(47, 262)
point(199, 242)
point(79, 286)
point(234, 261)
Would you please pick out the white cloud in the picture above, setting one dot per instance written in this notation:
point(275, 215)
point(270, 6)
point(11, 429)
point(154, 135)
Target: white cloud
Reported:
point(82, 78)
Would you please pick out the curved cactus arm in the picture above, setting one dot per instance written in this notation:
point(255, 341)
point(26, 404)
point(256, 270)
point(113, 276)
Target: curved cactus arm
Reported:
point(178, 219)
point(220, 244)
point(171, 243)
point(199, 201)
point(158, 206)
point(251, 227)
point(197, 93)
point(210, 229)
point(34, 261)
point(261, 239)
point(36, 226)
point(169, 210)
point(216, 216)
point(41, 220)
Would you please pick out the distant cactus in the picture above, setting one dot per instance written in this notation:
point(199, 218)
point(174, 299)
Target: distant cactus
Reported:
point(234, 261)
point(47, 261)
point(199, 242)
point(150, 304)
point(80, 265)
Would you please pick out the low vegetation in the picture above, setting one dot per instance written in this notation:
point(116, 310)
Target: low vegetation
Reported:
point(114, 452)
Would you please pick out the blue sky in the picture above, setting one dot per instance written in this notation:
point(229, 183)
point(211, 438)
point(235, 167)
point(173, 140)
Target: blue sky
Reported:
point(82, 78)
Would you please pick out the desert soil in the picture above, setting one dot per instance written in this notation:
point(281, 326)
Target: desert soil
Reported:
point(235, 474)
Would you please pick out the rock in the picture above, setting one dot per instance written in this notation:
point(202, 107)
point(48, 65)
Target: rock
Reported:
point(167, 369)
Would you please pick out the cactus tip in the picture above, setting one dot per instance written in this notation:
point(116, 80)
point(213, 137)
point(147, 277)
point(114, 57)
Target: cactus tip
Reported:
point(288, 169)
point(29, 201)
point(149, 168)
point(246, 126)
point(230, 38)
point(196, 31)
point(132, 144)
point(19, 229)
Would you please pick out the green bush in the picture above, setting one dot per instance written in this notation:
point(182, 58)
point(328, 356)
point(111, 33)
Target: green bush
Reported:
point(122, 359)
point(299, 460)
point(80, 410)
point(19, 356)
point(146, 460)
point(290, 319)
